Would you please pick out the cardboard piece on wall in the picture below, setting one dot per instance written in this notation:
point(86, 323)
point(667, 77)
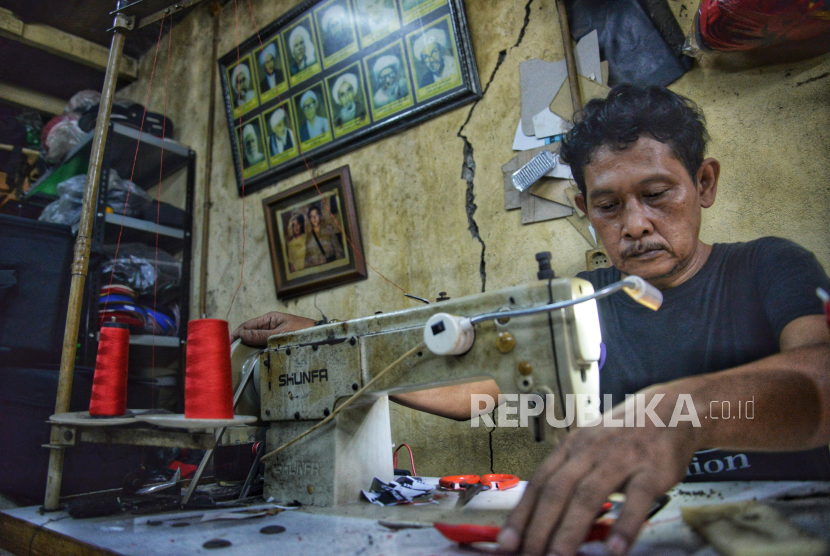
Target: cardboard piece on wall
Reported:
point(604, 67)
point(512, 196)
point(552, 189)
point(548, 124)
point(522, 142)
point(540, 81)
point(587, 57)
point(537, 209)
point(581, 224)
point(562, 104)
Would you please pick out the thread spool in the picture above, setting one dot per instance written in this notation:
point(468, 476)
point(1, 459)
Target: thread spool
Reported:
point(109, 386)
point(208, 386)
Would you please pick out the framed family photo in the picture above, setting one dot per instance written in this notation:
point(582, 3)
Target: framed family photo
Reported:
point(313, 235)
point(332, 76)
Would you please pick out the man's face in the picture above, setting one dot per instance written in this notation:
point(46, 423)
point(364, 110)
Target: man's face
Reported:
point(250, 145)
point(269, 63)
point(433, 57)
point(314, 217)
point(279, 129)
point(310, 109)
point(299, 51)
point(388, 77)
point(645, 208)
point(346, 93)
point(374, 7)
point(335, 26)
point(242, 83)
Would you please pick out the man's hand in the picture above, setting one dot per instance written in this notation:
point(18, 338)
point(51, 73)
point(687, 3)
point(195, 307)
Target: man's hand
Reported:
point(568, 490)
point(256, 332)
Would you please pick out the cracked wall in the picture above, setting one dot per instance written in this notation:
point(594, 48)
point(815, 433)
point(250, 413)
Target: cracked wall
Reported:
point(430, 199)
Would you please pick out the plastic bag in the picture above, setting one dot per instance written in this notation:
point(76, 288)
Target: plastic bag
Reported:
point(136, 267)
point(83, 100)
point(63, 211)
point(739, 25)
point(122, 191)
point(64, 135)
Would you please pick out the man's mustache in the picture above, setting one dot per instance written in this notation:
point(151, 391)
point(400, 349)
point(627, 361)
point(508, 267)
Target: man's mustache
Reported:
point(642, 247)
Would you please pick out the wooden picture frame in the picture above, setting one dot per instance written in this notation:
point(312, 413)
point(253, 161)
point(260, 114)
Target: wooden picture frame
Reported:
point(313, 232)
point(345, 73)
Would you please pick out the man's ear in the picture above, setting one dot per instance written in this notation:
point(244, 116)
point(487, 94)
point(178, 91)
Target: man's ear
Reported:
point(579, 199)
point(707, 180)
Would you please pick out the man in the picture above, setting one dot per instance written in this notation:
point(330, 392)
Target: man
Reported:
point(345, 93)
point(302, 51)
point(282, 138)
point(323, 243)
point(393, 86)
point(250, 142)
point(431, 49)
point(737, 321)
point(268, 61)
point(314, 125)
point(377, 15)
point(241, 83)
point(336, 31)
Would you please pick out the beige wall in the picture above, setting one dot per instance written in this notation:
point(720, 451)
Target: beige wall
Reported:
point(768, 128)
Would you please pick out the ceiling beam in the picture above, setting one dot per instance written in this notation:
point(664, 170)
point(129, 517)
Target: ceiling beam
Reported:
point(31, 99)
point(63, 44)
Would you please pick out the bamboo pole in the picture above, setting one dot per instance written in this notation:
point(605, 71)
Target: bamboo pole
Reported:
point(83, 244)
point(215, 10)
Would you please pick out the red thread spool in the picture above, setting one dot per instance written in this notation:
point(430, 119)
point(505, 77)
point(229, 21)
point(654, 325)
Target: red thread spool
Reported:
point(208, 385)
point(109, 387)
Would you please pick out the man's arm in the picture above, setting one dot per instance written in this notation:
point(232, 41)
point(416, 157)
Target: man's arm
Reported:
point(256, 332)
point(791, 392)
point(452, 402)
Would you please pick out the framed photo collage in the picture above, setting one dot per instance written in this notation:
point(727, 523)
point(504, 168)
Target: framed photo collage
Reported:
point(331, 76)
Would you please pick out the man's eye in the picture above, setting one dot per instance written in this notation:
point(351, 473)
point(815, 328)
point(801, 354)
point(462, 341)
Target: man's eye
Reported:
point(653, 195)
point(606, 206)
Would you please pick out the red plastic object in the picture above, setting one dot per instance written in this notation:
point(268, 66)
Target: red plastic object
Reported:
point(499, 481)
point(454, 482)
point(467, 533)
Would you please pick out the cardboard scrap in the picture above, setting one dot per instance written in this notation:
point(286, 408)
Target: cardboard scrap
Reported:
point(537, 209)
point(562, 104)
point(582, 226)
point(522, 142)
point(586, 54)
point(552, 189)
point(548, 124)
point(512, 196)
point(540, 80)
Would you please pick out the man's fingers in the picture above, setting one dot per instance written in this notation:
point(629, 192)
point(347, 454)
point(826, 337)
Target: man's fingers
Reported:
point(511, 535)
point(256, 338)
point(639, 498)
point(582, 509)
point(551, 502)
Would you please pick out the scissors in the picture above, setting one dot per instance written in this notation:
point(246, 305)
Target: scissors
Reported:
point(471, 485)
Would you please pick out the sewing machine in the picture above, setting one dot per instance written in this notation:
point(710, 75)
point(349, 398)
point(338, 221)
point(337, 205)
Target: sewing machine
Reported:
point(301, 376)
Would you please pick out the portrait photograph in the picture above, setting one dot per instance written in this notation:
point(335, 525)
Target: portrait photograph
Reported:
point(282, 138)
point(242, 93)
point(271, 76)
point(376, 19)
point(335, 26)
point(301, 51)
point(389, 81)
point(434, 59)
point(313, 122)
point(307, 234)
point(253, 157)
point(416, 9)
point(348, 100)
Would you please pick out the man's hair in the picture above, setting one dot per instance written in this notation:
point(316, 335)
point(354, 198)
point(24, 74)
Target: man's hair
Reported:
point(630, 112)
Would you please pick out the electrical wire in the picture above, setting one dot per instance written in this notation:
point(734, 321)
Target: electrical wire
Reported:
point(411, 458)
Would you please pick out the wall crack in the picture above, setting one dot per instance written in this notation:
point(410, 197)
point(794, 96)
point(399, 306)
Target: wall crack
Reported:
point(468, 167)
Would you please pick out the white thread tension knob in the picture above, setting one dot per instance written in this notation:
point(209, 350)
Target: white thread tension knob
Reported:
point(446, 334)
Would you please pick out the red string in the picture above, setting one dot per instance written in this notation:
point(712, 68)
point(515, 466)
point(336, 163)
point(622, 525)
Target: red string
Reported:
point(310, 173)
point(411, 458)
point(208, 388)
point(109, 387)
point(135, 158)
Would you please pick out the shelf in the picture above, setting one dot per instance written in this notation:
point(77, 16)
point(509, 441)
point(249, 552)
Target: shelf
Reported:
point(143, 225)
point(121, 151)
point(135, 230)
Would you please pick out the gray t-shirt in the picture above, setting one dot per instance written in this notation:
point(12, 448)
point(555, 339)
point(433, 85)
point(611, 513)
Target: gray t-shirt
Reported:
point(730, 313)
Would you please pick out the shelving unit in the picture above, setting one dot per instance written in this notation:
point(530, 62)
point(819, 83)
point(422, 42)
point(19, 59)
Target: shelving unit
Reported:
point(156, 160)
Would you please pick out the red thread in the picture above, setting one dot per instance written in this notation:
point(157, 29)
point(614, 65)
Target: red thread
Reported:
point(208, 388)
point(109, 387)
point(411, 458)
